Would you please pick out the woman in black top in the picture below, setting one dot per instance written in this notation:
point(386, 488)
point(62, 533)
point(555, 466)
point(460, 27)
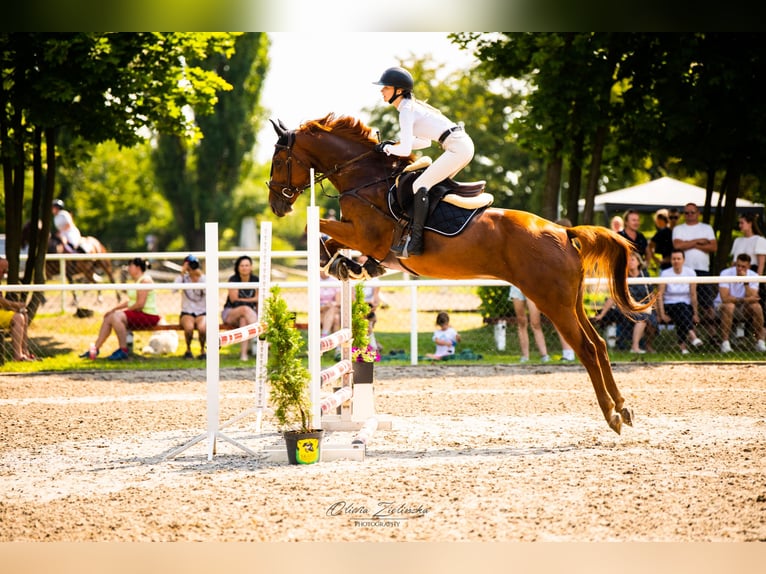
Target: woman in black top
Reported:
point(241, 306)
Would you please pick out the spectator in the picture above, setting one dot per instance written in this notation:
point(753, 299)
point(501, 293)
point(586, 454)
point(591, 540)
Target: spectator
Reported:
point(661, 243)
point(677, 302)
point(639, 325)
point(616, 224)
point(740, 301)
point(520, 305)
point(631, 231)
point(13, 316)
point(698, 241)
point(66, 230)
point(752, 242)
point(193, 306)
point(241, 307)
point(445, 337)
point(329, 303)
point(567, 352)
point(140, 311)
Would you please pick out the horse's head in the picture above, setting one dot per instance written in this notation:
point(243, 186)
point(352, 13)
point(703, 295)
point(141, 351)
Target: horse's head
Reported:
point(285, 183)
point(329, 145)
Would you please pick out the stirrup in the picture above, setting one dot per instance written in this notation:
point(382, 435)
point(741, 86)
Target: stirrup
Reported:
point(400, 250)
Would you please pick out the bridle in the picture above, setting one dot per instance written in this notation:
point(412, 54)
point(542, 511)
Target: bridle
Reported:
point(288, 191)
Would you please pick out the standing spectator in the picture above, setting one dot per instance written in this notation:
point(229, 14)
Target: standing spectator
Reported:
point(329, 303)
point(66, 230)
point(752, 242)
point(241, 307)
point(445, 337)
point(698, 242)
point(193, 306)
point(520, 305)
point(740, 301)
point(140, 311)
point(13, 316)
point(616, 224)
point(661, 243)
point(677, 302)
point(631, 231)
point(372, 298)
point(567, 352)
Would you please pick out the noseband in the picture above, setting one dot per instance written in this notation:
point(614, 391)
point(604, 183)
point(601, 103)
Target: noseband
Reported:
point(288, 191)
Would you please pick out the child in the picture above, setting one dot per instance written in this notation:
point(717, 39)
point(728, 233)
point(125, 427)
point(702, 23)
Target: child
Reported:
point(445, 337)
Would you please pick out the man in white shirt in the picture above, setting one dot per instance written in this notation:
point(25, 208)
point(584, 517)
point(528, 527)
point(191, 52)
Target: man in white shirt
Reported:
point(698, 241)
point(740, 300)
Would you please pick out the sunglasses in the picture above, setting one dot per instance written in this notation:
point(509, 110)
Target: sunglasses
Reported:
point(690, 212)
point(673, 217)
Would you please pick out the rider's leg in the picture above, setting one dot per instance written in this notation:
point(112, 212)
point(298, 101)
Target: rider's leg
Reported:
point(419, 214)
point(458, 151)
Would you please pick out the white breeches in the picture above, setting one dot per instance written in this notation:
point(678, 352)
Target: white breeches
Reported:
point(458, 153)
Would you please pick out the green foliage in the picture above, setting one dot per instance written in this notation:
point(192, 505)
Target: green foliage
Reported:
point(494, 302)
point(289, 379)
point(360, 336)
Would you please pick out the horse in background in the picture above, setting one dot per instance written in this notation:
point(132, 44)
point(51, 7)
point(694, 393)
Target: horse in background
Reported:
point(79, 270)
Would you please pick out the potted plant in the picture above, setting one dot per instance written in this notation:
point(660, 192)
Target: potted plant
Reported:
point(289, 383)
point(363, 355)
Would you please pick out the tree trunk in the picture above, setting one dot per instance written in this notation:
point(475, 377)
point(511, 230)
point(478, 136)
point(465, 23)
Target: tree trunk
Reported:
point(552, 183)
point(594, 173)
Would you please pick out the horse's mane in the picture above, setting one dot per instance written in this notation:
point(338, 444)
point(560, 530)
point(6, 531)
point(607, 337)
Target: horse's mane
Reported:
point(343, 126)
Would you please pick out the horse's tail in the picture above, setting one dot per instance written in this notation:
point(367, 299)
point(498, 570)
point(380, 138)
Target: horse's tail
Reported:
point(605, 254)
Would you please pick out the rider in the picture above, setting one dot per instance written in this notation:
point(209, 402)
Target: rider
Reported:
point(65, 228)
point(419, 125)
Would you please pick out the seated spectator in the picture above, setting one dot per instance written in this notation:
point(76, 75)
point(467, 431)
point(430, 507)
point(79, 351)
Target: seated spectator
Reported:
point(520, 306)
point(13, 316)
point(329, 303)
point(677, 302)
point(140, 311)
point(241, 307)
point(193, 306)
point(445, 337)
point(740, 301)
point(636, 326)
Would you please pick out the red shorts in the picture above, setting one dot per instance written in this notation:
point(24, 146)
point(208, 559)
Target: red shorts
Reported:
point(138, 319)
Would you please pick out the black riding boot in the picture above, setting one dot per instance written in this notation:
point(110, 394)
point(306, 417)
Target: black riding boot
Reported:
point(419, 214)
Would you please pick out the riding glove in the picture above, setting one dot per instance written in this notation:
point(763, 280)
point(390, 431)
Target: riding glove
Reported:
point(379, 147)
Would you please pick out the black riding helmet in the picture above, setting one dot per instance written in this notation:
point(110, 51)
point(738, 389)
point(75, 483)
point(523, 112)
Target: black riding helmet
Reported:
point(398, 78)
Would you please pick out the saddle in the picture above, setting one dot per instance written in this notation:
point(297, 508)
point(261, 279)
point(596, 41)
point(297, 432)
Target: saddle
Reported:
point(452, 204)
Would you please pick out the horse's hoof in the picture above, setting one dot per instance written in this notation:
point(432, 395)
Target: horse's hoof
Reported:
point(627, 415)
point(615, 423)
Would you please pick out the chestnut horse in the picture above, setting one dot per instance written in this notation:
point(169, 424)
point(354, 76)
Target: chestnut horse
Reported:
point(545, 260)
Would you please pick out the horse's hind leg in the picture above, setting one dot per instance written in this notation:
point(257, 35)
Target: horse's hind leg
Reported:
point(592, 353)
point(608, 374)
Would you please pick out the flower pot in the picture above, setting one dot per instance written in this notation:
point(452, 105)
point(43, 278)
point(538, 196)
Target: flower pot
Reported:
point(303, 447)
point(363, 373)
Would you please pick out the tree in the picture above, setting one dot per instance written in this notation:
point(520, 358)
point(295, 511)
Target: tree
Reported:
point(93, 87)
point(198, 177)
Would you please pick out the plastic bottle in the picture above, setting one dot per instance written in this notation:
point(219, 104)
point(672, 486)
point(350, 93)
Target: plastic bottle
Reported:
point(92, 351)
point(129, 342)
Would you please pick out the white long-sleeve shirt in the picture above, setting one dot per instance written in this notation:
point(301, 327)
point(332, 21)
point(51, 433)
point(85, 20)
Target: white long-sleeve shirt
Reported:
point(419, 125)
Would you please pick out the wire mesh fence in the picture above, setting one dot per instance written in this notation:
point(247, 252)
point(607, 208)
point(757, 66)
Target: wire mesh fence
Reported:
point(405, 320)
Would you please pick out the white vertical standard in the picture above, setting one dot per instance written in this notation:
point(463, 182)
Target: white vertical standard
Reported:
point(262, 347)
point(314, 315)
point(211, 311)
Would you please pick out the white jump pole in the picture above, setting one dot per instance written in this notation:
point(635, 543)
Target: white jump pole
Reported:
point(314, 314)
point(213, 354)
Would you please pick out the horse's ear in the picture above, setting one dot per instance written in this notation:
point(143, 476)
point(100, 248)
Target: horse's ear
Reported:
point(280, 129)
